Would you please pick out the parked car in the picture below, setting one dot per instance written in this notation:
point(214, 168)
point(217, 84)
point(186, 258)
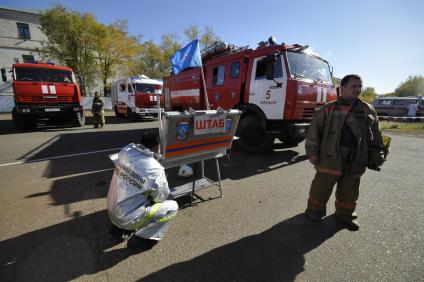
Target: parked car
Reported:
point(398, 106)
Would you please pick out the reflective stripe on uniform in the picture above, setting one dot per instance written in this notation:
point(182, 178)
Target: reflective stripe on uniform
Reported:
point(316, 203)
point(345, 205)
point(166, 218)
point(147, 218)
point(335, 172)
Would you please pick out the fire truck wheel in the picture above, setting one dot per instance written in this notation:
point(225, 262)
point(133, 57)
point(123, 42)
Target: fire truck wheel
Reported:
point(117, 113)
point(23, 122)
point(290, 141)
point(253, 138)
point(78, 119)
point(131, 116)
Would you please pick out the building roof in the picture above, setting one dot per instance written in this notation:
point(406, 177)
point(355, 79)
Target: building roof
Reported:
point(28, 11)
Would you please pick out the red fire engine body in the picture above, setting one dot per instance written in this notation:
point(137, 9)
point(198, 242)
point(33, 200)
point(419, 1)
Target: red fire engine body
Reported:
point(45, 91)
point(277, 88)
point(136, 96)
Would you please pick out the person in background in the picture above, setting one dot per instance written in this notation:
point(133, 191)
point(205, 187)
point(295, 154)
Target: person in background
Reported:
point(412, 110)
point(97, 110)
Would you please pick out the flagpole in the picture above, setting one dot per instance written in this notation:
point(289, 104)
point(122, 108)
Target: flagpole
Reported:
point(204, 89)
point(160, 122)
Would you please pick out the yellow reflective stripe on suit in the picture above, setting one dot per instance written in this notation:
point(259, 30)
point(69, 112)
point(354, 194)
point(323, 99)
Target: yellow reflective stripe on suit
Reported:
point(166, 218)
point(148, 217)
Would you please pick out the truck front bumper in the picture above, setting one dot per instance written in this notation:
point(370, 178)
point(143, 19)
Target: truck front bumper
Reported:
point(47, 110)
point(148, 111)
point(298, 129)
point(292, 129)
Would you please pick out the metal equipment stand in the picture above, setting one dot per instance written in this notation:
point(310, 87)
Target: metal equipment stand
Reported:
point(198, 184)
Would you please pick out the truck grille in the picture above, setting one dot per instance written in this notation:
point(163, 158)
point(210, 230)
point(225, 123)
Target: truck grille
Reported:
point(40, 99)
point(304, 112)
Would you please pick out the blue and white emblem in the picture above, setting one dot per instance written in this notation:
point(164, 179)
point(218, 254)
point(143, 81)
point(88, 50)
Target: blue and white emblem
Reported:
point(228, 125)
point(182, 130)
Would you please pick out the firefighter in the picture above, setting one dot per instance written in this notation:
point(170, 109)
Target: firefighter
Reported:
point(97, 110)
point(344, 138)
point(136, 201)
point(412, 110)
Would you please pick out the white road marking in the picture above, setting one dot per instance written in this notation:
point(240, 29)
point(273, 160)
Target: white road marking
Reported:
point(59, 157)
point(85, 173)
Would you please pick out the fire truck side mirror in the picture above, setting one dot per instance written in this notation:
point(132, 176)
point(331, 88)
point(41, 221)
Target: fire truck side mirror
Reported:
point(3, 75)
point(270, 65)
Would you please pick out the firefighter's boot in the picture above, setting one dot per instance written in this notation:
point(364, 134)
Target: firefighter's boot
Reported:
point(350, 222)
point(315, 216)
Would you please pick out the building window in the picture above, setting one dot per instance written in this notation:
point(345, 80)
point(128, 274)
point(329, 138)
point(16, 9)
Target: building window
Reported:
point(218, 75)
point(23, 31)
point(28, 58)
point(235, 69)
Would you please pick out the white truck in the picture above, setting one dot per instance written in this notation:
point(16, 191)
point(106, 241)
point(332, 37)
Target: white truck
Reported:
point(137, 96)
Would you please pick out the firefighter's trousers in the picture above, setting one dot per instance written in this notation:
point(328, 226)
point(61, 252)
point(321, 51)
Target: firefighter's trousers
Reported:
point(347, 189)
point(151, 222)
point(99, 118)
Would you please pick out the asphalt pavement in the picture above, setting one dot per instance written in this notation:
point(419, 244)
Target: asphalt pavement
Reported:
point(54, 226)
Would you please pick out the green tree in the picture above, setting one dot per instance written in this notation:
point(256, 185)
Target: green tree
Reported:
point(168, 46)
point(390, 94)
point(71, 41)
point(336, 81)
point(368, 94)
point(150, 60)
point(192, 32)
point(208, 38)
point(413, 86)
point(114, 50)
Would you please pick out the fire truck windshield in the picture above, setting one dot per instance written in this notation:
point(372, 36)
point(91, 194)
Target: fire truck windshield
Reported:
point(43, 75)
point(144, 87)
point(305, 66)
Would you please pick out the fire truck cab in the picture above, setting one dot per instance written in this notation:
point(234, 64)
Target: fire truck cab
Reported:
point(277, 88)
point(44, 91)
point(136, 96)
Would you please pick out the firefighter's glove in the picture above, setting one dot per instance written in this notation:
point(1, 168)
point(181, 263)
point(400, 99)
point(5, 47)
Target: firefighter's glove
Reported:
point(375, 159)
point(373, 166)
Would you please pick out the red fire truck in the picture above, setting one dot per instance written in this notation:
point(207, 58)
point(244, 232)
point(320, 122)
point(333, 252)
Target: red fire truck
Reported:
point(277, 88)
point(136, 96)
point(44, 91)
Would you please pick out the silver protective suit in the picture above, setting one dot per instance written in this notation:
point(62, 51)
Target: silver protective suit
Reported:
point(137, 194)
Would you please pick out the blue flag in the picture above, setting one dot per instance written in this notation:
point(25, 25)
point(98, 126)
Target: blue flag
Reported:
point(187, 57)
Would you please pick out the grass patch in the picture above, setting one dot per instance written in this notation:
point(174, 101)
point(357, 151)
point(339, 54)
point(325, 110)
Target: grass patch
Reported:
point(403, 127)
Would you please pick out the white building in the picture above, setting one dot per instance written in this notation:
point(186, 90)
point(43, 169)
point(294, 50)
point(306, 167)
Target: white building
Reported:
point(20, 36)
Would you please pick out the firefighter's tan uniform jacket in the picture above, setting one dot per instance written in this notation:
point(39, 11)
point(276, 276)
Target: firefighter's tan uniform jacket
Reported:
point(324, 134)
